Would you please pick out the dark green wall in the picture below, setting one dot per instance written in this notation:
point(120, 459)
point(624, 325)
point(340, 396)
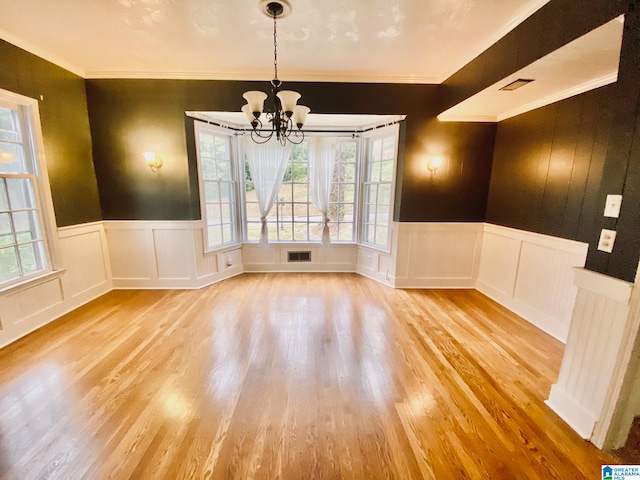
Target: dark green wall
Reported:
point(553, 167)
point(65, 130)
point(131, 116)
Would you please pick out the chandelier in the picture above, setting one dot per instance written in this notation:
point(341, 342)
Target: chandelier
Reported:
point(284, 114)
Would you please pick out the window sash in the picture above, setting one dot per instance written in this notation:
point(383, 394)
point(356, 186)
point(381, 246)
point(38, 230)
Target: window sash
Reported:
point(218, 188)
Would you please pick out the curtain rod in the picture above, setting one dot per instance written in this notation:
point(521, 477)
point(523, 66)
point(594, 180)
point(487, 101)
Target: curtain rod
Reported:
point(244, 130)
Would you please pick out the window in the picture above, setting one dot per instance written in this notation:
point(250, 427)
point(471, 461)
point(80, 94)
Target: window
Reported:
point(24, 252)
point(378, 188)
point(293, 217)
point(217, 186)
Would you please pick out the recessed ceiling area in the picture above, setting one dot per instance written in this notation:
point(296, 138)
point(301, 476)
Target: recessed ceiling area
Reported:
point(414, 41)
point(588, 62)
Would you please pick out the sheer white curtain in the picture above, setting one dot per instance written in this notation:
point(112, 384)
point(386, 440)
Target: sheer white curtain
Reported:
point(322, 157)
point(267, 164)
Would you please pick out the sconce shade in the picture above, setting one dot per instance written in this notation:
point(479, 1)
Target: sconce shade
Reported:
point(300, 115)
point(153, 160)
point(436, 163)
point(289, 98)
point(255, 99)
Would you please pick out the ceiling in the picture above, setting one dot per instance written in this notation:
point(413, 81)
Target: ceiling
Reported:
point(588, 62)
point(415, 41)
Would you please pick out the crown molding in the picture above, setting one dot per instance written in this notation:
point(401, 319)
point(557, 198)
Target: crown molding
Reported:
point(250, 76)
point(445, 117)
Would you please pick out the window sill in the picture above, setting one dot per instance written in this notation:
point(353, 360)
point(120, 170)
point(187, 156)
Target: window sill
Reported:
point(32, 281)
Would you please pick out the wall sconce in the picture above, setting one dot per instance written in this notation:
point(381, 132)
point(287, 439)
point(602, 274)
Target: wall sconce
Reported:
point(154, 161)
point(434, 164)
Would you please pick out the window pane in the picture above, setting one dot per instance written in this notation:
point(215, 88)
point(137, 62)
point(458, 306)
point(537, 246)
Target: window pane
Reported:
point(253, 212)
point(347, 193)
point(369, 232)
point(212, 192)
point(227, 233)
point(374, 171)
point(227, 212)
point(6, 231)
point(4, 201)
point(382, 215)
point(21, 193)
point(31, 257)
point(253, 231)
point(9, 125)
point(283, 232)
point(223, 170)
point(301, 211)
point(213, 214)
point(300, 231)
point(226, 192)
point(315, 231)
point(371, 194)
point(206, 145)
point(214, 233)
point(371, 214)
point(389, 148)
point(381, 236)
point(27, 226)
point(384, 195)
point(222, 148)
point(376, 150)
point(346, 232)
point(301, 193)
point(12, 158)
point(8, 264)
point(386, 174)
point(345, 172)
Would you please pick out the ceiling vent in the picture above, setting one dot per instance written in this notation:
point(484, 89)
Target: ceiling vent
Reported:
point(516, 84)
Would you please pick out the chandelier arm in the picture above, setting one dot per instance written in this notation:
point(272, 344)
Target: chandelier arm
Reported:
point(259, 139)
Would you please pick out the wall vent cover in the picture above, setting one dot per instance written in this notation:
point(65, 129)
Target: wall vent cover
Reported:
point(516, 84)
point(299, 256)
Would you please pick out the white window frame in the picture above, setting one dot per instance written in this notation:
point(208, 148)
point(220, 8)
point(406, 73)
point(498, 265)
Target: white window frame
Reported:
point(233, 170)
point(36, 164)
point(368, 139)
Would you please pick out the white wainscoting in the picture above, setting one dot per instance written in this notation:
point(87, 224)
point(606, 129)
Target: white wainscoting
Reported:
point(275, 257)
point(166, 254)
point(84, 275)
point(598, 330)
point(437, 255)
point(531, 274)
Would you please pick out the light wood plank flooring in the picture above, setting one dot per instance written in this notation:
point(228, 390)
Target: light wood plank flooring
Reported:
point(288, 376)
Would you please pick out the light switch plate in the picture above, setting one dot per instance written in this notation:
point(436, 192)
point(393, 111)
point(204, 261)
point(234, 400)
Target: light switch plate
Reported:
point(607, 238)
point(612, 206)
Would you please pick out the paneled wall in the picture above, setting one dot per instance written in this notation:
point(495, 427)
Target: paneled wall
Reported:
point(592, 364)
point(548, 166)
point(275, 258)
point(531, 275)
point(166, 255)
point(437, 255)
point(85, 275)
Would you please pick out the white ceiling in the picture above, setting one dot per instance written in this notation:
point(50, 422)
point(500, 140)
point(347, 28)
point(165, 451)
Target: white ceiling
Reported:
point(588, 62)
point(421, 41)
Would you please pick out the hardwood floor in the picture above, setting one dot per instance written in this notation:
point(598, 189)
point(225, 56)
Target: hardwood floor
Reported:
point(288, 376)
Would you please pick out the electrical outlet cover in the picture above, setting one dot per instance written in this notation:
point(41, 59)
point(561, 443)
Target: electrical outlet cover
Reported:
point(612, 207)
point(607, 239)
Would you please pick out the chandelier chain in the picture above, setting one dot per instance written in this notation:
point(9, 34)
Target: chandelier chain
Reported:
point(275, 47)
